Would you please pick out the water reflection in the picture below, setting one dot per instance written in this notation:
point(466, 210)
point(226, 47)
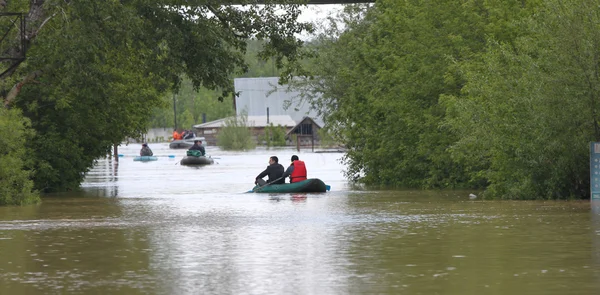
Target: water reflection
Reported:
point(595, 213)
point(160, 228)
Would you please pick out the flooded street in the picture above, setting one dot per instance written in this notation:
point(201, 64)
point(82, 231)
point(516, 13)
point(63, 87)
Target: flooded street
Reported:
point(162, 228)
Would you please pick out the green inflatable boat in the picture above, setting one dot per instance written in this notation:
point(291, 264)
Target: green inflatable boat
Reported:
point(311, 185)
point(192, 160)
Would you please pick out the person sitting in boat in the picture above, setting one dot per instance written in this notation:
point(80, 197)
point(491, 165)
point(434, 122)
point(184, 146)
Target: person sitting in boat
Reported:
point(198, 146)
point(176, 135)
point(274, 171)
point(145, 151)
point(188, 134)
point(296, 171)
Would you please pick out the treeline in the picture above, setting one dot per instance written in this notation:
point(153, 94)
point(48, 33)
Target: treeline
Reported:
point(499, 96)
point(95, 72)
point(192, 106)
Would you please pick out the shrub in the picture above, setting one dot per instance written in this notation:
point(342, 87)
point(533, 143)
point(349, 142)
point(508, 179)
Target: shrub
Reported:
point(275, 136)
point(236, 135)
point(16, 187)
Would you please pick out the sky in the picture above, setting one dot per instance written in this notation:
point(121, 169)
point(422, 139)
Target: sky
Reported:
point(317, 13)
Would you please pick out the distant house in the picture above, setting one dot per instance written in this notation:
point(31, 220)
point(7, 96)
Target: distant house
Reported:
point(304, 133)
point(257, 124)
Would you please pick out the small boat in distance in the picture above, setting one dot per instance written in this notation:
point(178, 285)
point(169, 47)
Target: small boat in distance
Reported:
point(186, 143)
point(195, 161)
point(145, 158)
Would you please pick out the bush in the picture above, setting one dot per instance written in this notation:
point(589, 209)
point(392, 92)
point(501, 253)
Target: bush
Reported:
point(236, 135)
point(16, 187)
point(326, 139)
point(275, 136)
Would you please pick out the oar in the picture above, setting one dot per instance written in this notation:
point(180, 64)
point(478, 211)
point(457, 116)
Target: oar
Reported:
point(267, 184)
point(170, 156)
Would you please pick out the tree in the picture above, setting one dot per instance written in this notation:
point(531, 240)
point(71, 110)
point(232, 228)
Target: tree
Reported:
point(531, 106)
point(382, 79)
point(390, 121)
point(15, 186)
point(204, 101)
point(275, 135)
point(124, 57)
point(196, 103)
point(236, 135)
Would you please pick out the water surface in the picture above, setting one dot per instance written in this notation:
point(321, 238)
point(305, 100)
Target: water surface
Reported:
point(162, 228)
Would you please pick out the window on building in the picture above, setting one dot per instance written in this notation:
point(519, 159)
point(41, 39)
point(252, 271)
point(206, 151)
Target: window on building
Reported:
point(304, 129)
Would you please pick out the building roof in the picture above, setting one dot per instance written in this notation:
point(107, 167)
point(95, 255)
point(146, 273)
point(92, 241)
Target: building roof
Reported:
point(306, 120)
point(253, 121)
point(264, 95)
point(309, 119)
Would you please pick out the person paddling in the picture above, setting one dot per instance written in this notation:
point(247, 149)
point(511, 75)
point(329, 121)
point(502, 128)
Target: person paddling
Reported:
point(198, 146)
point(296, 171)
point(146, 151)
point(274, 171)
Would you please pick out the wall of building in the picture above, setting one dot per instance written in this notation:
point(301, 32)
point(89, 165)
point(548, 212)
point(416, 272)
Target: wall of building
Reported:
point(155, 135)
point(258, 94)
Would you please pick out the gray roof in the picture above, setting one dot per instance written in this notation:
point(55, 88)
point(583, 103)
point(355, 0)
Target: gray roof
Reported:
point(258, 94)
point(253, 121)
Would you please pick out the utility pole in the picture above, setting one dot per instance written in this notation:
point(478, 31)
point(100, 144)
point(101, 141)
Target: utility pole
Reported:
point(175, 109)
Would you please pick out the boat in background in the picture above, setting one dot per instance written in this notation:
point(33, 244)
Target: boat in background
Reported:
point(195, 161)
point(311, 185)
point(186, 143)
point(145, 158)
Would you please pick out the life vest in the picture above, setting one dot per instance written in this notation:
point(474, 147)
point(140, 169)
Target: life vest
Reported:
point(176, 135)
point(299, 173)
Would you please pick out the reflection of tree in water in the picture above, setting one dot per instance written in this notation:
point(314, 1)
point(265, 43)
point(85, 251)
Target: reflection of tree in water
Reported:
point(103, 182)
point(113, 190)
point(596, 233)
point(115, 170)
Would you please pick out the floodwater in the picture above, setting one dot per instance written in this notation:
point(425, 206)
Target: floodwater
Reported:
point(162, 228)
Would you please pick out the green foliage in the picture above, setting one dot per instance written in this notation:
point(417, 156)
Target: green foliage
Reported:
point(390, 122)
point(236, 135)
point(186, 120)
point(257, 66)
point(205, 101)
point(191, 104)
point(16, 187)
point(500, 95)
point(327, 140)
point(275, 135)
point(124, 58)
point(530, 108)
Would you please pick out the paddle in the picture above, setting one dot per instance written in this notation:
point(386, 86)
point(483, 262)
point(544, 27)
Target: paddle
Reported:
point(170, 156)
point(267, 184)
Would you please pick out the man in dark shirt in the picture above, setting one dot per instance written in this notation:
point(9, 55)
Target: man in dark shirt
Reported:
point(198, 146)
point(274, 171)
point(145, 151)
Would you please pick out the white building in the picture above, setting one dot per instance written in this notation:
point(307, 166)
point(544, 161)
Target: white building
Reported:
point(258, 94)
point(265, 103)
